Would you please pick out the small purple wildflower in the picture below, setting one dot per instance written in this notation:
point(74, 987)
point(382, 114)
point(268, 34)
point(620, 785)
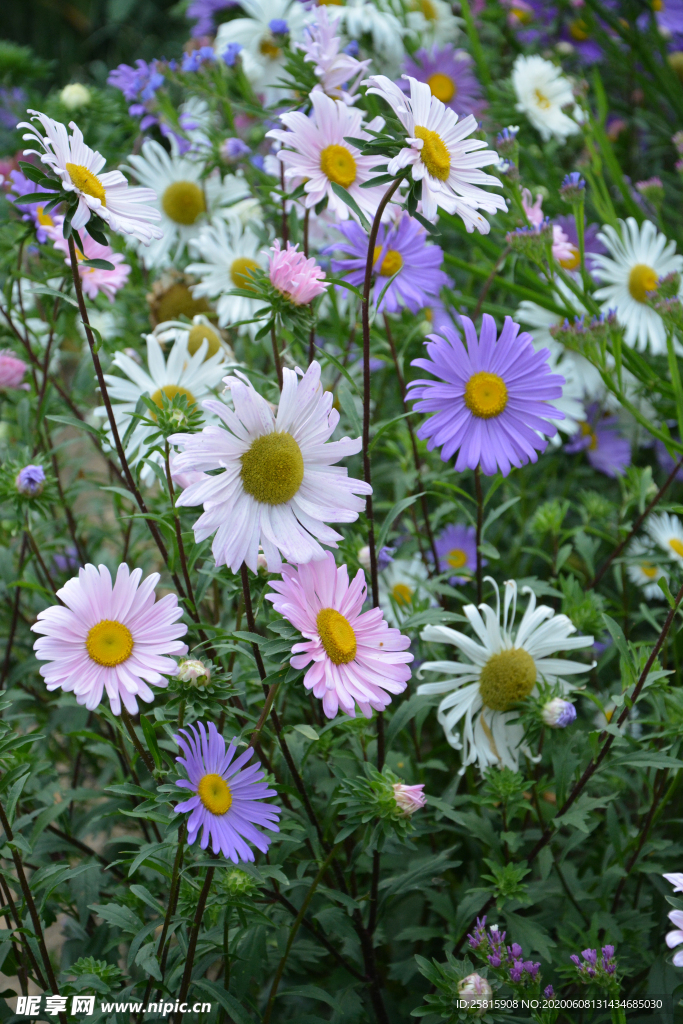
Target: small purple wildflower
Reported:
point(549, 991)
point(385, 557)
point(233, 149)
point(194, 60)
point(203, 12)
point(231, 53)
point(573, 187)
point(30, 481)
point(278, 26)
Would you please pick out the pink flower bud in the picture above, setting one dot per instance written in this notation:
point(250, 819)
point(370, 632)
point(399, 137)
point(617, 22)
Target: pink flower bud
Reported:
point(409, 798)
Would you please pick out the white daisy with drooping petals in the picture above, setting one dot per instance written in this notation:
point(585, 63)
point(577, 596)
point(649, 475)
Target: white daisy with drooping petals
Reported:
point(279, 486)
point(318, 154)
point(114, 638)
point(503, 669)
point(263, 51)
point(667, 531)
point(357, 658)
point(643, 570)
point(185, 199)
point(543, 94)
point(638, 255)
point(442, 156)
point(194, 376)
point(227, 254)
point(128, 211)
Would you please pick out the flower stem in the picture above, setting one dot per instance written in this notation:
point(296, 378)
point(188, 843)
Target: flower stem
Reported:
point(480, 525)
point(276, 355)
point(170, 910)
point(178, 531)
point(192, 944)
point(148, 762)
point(15, 615)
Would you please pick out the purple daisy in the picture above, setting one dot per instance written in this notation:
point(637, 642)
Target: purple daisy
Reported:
point(668, 16)
point(606, 449)
point(577, 33)
point(591, 243)
point(403, 250)
point(225, 800)
point(492, 401)
point(456, 548)
point(450, 76)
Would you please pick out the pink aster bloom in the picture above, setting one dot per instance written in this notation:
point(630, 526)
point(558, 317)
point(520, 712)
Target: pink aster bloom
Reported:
point(299, 279)
point(357, 658)
point(12, 369)
point(114, 638)
point(533, 211)
point(409, 798)
point(94, 280)
point(563, 250)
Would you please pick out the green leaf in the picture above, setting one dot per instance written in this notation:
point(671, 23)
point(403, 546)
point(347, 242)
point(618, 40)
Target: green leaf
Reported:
point(147, 959)
point(347, 198)
point(43, 289)
point(307, 730)
point(152, 744)
point(33, 197)
point(228, 1002)
point(404, 714)
point(118, 916)
point(347, 404)
point(399, 507)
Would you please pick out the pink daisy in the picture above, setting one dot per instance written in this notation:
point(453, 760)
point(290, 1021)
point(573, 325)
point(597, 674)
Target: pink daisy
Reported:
point(357, 658)
point(300, 280)
point(109, 637)
point(12, 369)
point(94, 280)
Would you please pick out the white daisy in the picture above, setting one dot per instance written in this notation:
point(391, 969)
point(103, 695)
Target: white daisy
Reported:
point(184, 200)
point(542, 91)
point(667, 531)
point(129, 211)
point(201, 329)
point(401, 584)
point(638, 257)
point(262, 55)
point(643, 571)
point(443, 158)
point(279, 485)
point(228, 253)
point(433, 21)
point(181, 374)
point(360, 18)
point(502, 670)
point(320, 155)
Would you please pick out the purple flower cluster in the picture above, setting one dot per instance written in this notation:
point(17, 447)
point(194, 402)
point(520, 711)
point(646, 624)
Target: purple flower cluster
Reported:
point(592, 968)
point(491, 944)
point(196, 59)
point(139, 84)
point(203, 12)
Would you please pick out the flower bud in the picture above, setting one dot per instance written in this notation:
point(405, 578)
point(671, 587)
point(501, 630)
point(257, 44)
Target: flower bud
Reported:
point(233, 149)
point(30, 481)
point(261, 561)
point(558, 713)
point(652, 191)
point(74, 96)
point(192, 670)
point(573, 188)
point(506, 141)
point(409, 798)
point(364, 557)
point(474, 988)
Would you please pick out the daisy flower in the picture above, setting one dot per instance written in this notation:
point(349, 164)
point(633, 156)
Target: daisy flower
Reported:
point(298, 279)
point(226, 796)
point(675, 938)
point(94, 280)
point(375, 19)
point(357, 658)
point(110, 637)
point(262, 53)
point(493, 399)
point(591, 243)
point(401, 585)
point(542, 91)
point(181, 374)
point(183, 199)
point(44, 223)
point(227, 254)
point(442, 156)
point(606, 449)
point(339, 73)
point(638, 256)
point(403, 253)
point(317, 152)
point(433, 21)
point(278, 486)
point(501, 670)
point(449, 74)
point(456, 548)
point(128, 211)
point(667, 531)
point(201, 329)
point(644, 572)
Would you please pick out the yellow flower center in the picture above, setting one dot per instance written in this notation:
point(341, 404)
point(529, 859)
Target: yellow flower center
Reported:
point(273, 468)
point(86, 181)
point(588, 431)
point(183, 202)
point(338, 165)
point(402, 594)
point(337, 636)
point(578, 30)
point(435, 156)
point(676, 545)
point(214, 793)
point(178, 301)
point(44, 218)
point(171, 390)
point(486, 395)
point(641, 280)
point(676, 61)
point(269, 49)
point(240, 272)
point(442, 86)
point(507, 678)
point(521, 15)
point(330, 3)
point(541, 99)
point(391, 264)
point(571, 262)
point(657, 5)
point(109, 643)
point(648, 570)
point(456, 558)
point(200, 333)
point(426, 8)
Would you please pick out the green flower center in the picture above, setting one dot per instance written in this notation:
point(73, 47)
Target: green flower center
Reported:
point(506, 678)
point(273, 468)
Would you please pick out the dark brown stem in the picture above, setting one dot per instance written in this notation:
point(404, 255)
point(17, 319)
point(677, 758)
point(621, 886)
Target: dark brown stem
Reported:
point(15, 615)
point(643, 833)
point(480, 526)
point(147, 760)
point(636, 526)
point(489, 281)
point(276, 355)
point(84, 848)
point(22, 972)
point(178, 531)
point(192, 944)
point(272, 895)
point(35, 550)
point(170, 911)
point(25, 945)
point(307, 216)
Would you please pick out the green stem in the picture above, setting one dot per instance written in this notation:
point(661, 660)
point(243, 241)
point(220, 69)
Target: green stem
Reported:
point(475, 43)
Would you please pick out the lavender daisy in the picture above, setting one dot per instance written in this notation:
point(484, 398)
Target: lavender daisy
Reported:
point(403, 254)
point(449, 74)
point(606, 449)
point(456, 548)
point(492, 401)
point(225, 799)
